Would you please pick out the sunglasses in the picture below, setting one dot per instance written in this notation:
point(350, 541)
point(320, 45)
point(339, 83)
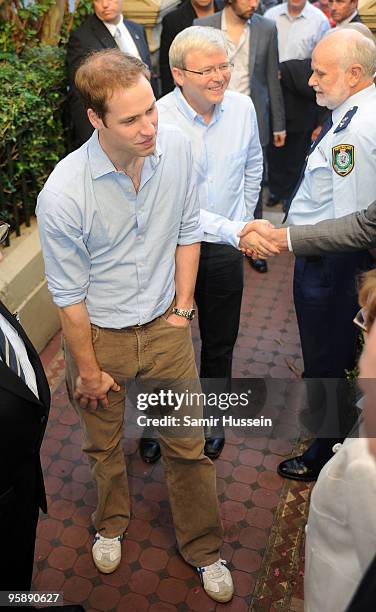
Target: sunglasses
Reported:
point(360, 320)
point(4, 231)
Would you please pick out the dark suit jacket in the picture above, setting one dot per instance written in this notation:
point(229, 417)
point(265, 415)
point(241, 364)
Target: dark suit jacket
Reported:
point(23, 419)
point(266, 93)
point(302, 112)
point(92, 35)
point(174, 22)
point(353, 232)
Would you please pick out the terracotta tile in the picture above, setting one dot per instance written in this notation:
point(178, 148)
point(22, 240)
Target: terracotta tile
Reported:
point(62, 558)
point(104, 597)
point(49, 579)
point(61, 468)
point(172, 590)
point(162, 607)
point(119, 578)
point(223, 468)
point(82, 516)
point(238, 491)
point(265, 498)
point(271, 462)
point(131, 550)
point(153, 559)
point(42, 550)
point(52, 484)
point(155, 491)
point(85, 567)
point(269, 480)
point(163, 537)
point(246, 560)
point(50, 446)
point(145, 510)
point(134, 603)
point(68, 416)
point(243, 583)
point(77, 589)
point(177, 568)
point(61, 509)
point(198, 601)
point(76, 437)
point(254, 538)
point(48, 529)
point(245, 473)
point(59, 432)
point(138, 530)
point(260, 517)
point(71, 452)
point(75, 536)
point(233, 511)
point(82, 474)
point(143, 582)
point(250, 457)
point(221, 486)
point(73, 491)
point(280, 447)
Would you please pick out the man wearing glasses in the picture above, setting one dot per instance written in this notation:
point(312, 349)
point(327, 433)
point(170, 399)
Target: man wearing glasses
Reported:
point(24, 408)
point(222, 128)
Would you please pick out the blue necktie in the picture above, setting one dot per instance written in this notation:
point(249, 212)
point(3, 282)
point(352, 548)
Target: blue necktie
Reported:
point(324, 130)
point(9, 357)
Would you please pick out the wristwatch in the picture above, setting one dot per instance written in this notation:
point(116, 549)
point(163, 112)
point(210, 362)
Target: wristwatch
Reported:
point(181, 312)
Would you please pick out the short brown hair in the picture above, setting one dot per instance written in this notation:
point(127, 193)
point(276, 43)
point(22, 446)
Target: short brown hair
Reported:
point(103, 72)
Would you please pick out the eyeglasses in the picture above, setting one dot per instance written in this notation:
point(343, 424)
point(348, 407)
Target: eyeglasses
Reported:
point(207, 72)
point(360, 320)
point(4, 231)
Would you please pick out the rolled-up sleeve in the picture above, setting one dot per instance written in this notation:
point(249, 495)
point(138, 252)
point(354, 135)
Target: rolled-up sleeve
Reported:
point(66, 258)
point(190, 227)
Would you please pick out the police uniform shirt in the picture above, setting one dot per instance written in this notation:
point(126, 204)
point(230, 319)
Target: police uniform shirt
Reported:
point(340, 175)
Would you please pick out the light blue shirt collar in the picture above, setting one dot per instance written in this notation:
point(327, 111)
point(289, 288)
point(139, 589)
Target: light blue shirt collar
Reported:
point(100, 164)
point(190, 114)
point(285, 11)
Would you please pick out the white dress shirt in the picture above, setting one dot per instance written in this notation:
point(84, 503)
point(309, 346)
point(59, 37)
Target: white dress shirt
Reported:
point(239, 56)
point(20, 350)
point(298, 35)
point(126, 43)
point(325, 194)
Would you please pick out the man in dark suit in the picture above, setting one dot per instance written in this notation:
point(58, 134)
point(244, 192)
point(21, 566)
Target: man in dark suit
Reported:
point(24, 407)
point(344, 11)
point(106, 29)
point(174, 22)
point(255, 73)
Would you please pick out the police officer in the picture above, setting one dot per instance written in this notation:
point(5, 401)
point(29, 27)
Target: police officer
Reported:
point(338, 179)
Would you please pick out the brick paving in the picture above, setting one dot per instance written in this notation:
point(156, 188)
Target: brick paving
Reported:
point(152, 576)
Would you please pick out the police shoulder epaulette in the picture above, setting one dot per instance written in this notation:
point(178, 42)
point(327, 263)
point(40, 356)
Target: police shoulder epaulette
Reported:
point(345, 120)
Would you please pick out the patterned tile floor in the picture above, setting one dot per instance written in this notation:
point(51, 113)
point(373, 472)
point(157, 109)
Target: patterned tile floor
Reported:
point(263, 516)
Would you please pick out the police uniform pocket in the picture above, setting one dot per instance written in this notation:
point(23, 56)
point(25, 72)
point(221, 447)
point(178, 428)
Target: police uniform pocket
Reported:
point(320, 176)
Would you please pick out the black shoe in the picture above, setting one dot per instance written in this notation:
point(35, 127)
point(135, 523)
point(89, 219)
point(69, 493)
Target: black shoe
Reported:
point(149, 450)
point(259, 265)
point(213, 447)
point(296, 469)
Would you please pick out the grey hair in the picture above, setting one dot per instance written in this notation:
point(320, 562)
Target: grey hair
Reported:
point(195, 38)
point(357, 49)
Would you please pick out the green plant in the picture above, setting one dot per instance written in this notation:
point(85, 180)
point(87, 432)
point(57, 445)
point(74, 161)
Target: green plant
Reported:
point(31, 132)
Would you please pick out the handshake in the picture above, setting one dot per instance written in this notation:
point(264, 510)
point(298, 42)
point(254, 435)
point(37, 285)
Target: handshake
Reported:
point(259, 239)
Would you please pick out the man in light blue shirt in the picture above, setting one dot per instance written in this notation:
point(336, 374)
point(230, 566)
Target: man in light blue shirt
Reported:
point(222, 128)
point(120, 238)
point(300, 26)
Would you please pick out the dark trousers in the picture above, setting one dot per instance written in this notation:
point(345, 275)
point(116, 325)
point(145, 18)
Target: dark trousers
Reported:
point(218, 296)
point(285, 163)
point(326, 302)
point(19, 509)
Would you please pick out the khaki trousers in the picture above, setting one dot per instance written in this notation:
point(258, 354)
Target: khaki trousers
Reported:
point(155, 351)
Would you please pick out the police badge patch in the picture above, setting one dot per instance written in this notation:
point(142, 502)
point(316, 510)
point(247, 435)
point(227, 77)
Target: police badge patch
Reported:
point(343, 159)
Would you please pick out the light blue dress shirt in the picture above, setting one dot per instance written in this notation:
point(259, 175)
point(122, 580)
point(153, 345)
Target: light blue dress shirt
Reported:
point(298, 36)
point(228, 161)
point(110, 246)
point(325, 194)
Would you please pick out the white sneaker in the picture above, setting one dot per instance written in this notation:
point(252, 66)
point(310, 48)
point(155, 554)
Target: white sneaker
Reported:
point(216, 580)
point(106, 553)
